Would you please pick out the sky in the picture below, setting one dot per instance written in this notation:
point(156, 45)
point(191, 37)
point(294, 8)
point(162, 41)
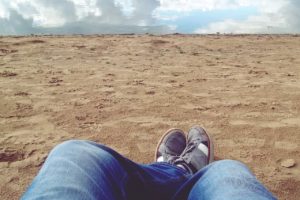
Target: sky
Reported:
point(23, 17)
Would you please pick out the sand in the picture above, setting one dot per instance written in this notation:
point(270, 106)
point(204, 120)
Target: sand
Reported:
point(125, 91)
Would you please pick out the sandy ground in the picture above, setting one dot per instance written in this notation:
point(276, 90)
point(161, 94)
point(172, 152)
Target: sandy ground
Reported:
point(125, 91)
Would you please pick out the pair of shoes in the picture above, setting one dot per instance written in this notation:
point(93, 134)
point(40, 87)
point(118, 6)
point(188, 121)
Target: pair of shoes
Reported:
point(191, 152)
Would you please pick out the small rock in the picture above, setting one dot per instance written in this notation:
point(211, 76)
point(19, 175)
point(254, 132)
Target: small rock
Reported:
point(288, 163)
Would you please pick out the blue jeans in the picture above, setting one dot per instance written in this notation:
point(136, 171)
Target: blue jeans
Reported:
point(86, 170)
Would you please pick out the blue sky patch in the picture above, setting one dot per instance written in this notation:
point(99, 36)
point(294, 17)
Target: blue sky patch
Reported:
point(189, 22)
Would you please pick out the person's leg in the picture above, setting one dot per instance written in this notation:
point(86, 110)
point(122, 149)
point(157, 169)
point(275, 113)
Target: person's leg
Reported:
point(86, 170)
point(225, 179)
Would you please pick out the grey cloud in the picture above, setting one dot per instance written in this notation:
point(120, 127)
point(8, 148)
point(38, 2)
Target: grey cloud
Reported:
point(16, 25)
point(111, 13)
point(64, 8)
point(292, 15)
point(112, 19)
point(141, 7)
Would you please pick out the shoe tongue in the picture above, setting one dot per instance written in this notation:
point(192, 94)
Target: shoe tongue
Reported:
point(175, 146)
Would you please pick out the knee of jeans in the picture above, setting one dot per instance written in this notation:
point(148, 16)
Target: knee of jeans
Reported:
point(69, 144)
point(224, 165)
point(83, 153)
point(76, 146)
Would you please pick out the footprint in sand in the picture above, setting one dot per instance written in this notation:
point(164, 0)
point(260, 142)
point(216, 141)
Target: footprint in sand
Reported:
point(4, 52)
point(11, 155)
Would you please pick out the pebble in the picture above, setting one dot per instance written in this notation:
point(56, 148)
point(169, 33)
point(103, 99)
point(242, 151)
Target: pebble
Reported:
point(288, 163)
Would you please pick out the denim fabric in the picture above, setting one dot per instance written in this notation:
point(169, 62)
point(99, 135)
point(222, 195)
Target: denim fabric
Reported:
point(86, 170)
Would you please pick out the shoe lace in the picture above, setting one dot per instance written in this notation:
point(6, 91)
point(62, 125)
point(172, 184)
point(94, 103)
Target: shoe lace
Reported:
point(184, 160)
point(170, 158)
point(190, 147)
point(181, 158)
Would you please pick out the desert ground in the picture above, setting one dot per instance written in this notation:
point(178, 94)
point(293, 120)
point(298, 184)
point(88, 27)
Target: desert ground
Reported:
point(125, 91)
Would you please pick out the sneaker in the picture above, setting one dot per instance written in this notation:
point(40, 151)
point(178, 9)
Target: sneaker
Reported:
point(199, 151)
point(170, 146)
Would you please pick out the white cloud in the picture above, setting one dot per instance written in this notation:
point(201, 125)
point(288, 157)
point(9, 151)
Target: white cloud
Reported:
point(190, 5)
point(205, 5)
point(4, 12)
